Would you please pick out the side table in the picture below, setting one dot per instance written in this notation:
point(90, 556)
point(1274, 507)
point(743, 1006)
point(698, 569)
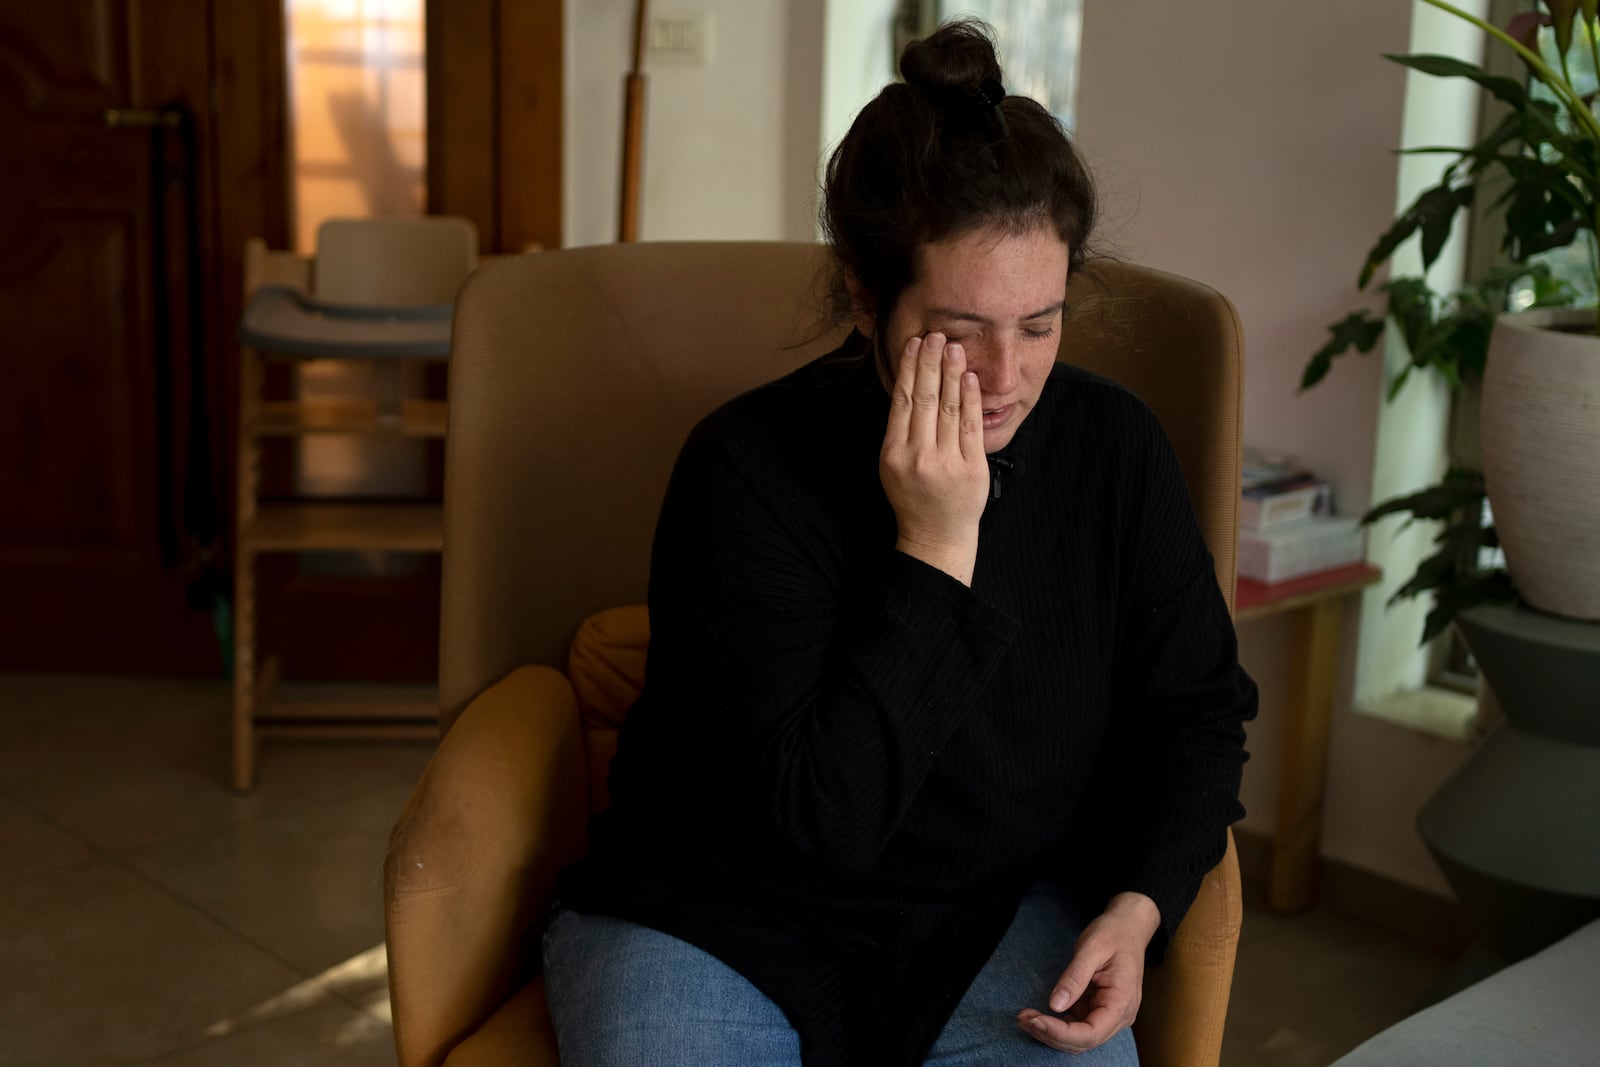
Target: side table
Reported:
point(1316, 604)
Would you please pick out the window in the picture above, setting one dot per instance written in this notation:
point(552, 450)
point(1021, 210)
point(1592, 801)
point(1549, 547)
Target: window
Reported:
point(1038, 43)
point(357, 110)
point(1572, 264)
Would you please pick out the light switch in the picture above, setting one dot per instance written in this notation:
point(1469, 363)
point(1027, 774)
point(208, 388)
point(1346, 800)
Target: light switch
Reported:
point(680, 39)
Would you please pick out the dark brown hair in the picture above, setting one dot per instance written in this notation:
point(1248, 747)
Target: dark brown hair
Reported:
point(942, 154)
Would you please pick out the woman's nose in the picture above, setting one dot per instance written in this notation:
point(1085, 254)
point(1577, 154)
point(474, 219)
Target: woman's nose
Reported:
point(996, 367)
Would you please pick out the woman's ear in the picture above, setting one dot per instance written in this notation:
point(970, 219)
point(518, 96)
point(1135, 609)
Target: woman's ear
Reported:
point(861, 305)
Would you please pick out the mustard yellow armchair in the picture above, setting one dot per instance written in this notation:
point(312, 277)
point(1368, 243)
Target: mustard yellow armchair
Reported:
point(574, 378)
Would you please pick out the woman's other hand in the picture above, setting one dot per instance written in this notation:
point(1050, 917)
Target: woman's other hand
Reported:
point(1098, 994)
point(932, 464)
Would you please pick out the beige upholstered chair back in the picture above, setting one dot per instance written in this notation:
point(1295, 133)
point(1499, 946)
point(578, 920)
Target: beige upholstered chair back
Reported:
point(576, 375)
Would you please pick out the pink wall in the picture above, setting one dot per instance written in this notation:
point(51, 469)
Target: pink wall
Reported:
point(1248, 144)
point(1251, 150)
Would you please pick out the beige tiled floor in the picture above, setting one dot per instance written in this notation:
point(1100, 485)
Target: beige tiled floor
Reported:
point(150, 916)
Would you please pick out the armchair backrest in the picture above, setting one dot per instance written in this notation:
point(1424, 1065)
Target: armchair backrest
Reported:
point(575, 376)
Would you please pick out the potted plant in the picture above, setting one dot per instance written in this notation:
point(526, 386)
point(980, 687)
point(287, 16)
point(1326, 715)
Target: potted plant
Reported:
point(1540, 411)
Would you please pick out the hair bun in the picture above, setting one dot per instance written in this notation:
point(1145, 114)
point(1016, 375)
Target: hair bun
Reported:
point(956, 61)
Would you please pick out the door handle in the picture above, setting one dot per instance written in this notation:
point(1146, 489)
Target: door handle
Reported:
point(141, 118)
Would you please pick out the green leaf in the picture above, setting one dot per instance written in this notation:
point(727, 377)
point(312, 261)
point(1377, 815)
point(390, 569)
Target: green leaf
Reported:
point(1411, 306)
point(1399, 381)
point(1358, 330)
point(1590, 9)
point(1460, 489)
point(1507, 90)
point(1432, 573)
point(1438, 220)
point(1450, 600)
point(1552, 292)
point(1559, 236)
point(1544, 208)
point(1451, 575)
point(1432, 212)
point(1466, 339)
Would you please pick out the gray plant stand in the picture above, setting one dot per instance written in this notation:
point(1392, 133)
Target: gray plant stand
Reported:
point(1516, 830)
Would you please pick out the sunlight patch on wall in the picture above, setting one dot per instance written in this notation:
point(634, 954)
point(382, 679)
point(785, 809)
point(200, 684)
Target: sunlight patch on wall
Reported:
point(358, 107)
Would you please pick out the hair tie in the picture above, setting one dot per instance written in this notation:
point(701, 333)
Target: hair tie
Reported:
point(986, 100)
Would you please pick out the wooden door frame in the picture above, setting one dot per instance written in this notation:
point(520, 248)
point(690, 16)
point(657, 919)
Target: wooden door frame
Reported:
point(250, 174)
point(495, 138)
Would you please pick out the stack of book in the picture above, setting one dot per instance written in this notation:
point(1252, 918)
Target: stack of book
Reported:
point(1287, 527)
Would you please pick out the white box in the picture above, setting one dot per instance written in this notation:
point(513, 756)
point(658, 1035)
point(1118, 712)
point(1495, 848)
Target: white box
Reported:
point(1288, 551)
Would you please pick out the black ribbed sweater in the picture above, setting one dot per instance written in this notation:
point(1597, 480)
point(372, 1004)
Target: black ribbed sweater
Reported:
point(846, 766)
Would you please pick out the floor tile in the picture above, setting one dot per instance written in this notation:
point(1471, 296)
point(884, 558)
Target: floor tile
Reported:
point(130, 764)
point(309, 891)
point(330, 1033)
point(148, 914)
point(32, 845)
point(123, 763)
point(1310, 987)
point(102, 967)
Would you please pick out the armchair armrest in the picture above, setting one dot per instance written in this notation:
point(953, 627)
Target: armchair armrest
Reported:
point(500, 809)
point(1186, 997)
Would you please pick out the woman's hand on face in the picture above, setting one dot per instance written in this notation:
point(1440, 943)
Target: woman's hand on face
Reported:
point(932, 465)
point(1098, 995)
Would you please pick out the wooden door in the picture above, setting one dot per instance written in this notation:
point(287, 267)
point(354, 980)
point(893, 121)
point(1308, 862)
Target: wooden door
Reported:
point(495, 118)
point(95, 557)
point(98, 558)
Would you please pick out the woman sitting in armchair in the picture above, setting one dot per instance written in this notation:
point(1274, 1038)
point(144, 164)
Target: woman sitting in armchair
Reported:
point(942, 719)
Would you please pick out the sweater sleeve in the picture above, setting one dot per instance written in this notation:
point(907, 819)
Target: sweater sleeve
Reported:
point(833, 689)
point(1171, 769)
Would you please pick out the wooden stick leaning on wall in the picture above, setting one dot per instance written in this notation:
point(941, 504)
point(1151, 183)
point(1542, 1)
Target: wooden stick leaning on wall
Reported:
point(633, 131)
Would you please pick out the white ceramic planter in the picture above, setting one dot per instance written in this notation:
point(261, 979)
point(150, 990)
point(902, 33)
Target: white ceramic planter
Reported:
point(1540, 425)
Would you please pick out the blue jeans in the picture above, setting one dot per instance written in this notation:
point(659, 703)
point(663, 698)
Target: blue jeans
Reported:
point(622, 995)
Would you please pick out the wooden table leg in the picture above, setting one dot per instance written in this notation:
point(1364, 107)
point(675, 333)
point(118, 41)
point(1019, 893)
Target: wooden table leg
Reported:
point(1303, 770)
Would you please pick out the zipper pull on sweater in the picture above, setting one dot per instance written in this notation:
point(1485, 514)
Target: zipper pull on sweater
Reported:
point(999, 467)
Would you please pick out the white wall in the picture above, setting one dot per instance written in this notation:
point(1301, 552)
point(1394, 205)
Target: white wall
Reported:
point(1250, 145)
point(715, 135)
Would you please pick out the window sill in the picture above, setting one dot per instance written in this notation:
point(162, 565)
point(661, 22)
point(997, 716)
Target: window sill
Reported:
point(1442, 713)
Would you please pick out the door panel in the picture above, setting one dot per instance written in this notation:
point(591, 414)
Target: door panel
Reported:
point(81, 486)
